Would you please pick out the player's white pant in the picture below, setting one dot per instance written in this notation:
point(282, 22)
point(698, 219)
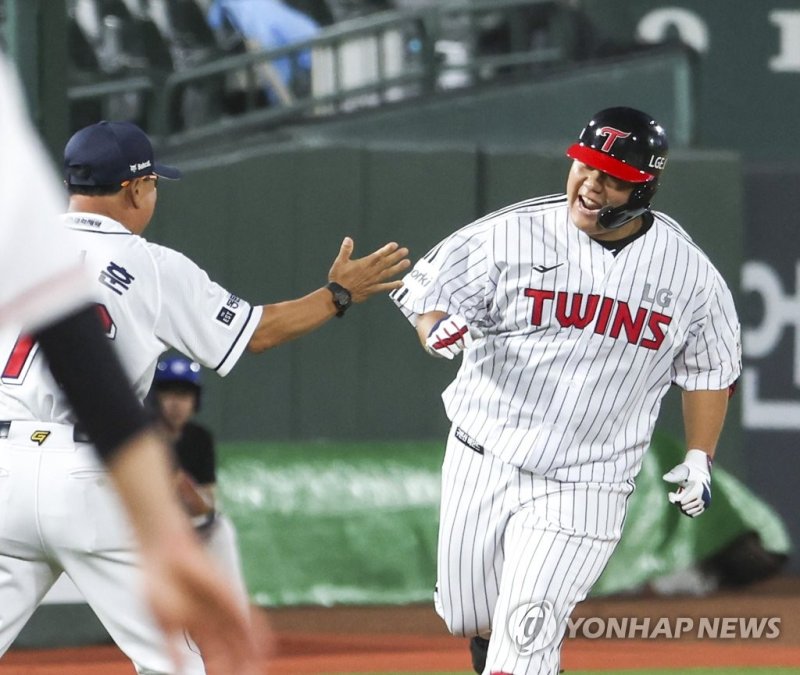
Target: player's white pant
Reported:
point(222, 544)
point(59, 512)
point(517, 552)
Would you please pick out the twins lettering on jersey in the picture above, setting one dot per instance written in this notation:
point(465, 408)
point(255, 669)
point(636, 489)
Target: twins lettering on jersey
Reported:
point(605, 316)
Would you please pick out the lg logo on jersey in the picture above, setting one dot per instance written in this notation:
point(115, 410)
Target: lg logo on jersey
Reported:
point(661, 296)
point(611, 317)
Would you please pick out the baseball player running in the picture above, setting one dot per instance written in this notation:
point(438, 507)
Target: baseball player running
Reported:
point(45, 290)
point(575, 313)
point(149, 298)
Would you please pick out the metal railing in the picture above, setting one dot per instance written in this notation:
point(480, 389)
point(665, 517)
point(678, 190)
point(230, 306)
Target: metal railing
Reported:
point(387, 57)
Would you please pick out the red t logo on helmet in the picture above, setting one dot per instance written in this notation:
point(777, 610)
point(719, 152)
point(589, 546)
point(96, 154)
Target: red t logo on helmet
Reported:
point(613, 134)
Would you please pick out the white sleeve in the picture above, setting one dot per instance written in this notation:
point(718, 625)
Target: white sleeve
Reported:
point(199, 317)
point(452, 277)
point(41, 276)
point(711, 359)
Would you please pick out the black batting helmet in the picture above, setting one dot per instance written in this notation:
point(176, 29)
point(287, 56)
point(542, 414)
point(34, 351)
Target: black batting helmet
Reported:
point(630, 145)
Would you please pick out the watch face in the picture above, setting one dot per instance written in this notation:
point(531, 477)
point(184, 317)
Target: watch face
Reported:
point(342, 298)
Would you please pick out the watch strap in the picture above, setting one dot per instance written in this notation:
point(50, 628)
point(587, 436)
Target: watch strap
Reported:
point(341, 297)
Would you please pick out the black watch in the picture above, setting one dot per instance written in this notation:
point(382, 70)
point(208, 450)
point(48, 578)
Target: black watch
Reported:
point(341, 297)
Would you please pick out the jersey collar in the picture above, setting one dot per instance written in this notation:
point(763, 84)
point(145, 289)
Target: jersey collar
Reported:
point(617, 245)
point(93, 222)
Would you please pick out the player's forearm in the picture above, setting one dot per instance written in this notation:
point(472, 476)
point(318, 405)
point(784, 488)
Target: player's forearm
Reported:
point(198, 500)
point(703, 417)
point(425, 322)
point(285, 321)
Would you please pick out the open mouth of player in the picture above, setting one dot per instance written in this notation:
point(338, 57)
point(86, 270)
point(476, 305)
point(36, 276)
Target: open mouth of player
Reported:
point(588, 206)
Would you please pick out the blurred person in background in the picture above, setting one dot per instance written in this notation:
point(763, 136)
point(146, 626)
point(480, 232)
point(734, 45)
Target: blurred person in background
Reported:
point(266, 25)
point(176, 395)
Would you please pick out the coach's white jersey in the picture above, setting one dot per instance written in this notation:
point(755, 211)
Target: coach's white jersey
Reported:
point(150, 298)
point(579, 346)
point(41, 277)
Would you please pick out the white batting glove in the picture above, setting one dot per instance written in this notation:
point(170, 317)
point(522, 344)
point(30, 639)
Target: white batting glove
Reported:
point(693, 476)
point(449, 336)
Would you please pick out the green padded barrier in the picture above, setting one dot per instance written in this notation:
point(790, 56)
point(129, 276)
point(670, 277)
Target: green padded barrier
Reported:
point(658, 539)
point(355, 523)
point(331, 523)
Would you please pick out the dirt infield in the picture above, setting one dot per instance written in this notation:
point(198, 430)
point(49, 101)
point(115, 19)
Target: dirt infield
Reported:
point(395, 639)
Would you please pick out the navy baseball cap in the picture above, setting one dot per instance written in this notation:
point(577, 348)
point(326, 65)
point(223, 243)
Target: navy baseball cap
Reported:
point(109, 153)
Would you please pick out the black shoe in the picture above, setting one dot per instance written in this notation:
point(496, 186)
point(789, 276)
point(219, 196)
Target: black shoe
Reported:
point(479, 648)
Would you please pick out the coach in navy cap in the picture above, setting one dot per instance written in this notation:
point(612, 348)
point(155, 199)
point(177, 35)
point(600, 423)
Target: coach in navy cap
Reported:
point(111, 154)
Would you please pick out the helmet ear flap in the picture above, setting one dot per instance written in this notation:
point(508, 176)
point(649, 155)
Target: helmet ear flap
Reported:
point(612, 217)
point(643, 194)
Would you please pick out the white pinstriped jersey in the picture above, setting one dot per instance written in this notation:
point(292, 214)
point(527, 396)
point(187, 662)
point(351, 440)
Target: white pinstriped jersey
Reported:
point(579, 346)
point(150, 298)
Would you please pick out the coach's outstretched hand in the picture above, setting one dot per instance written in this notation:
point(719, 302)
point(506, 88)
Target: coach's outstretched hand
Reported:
point(362, 277)
point(369, 275)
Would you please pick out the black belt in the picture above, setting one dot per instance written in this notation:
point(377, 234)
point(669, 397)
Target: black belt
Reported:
point(78, 434)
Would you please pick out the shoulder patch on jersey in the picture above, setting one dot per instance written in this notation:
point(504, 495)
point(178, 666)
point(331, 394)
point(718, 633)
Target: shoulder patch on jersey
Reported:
point(226, 316)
